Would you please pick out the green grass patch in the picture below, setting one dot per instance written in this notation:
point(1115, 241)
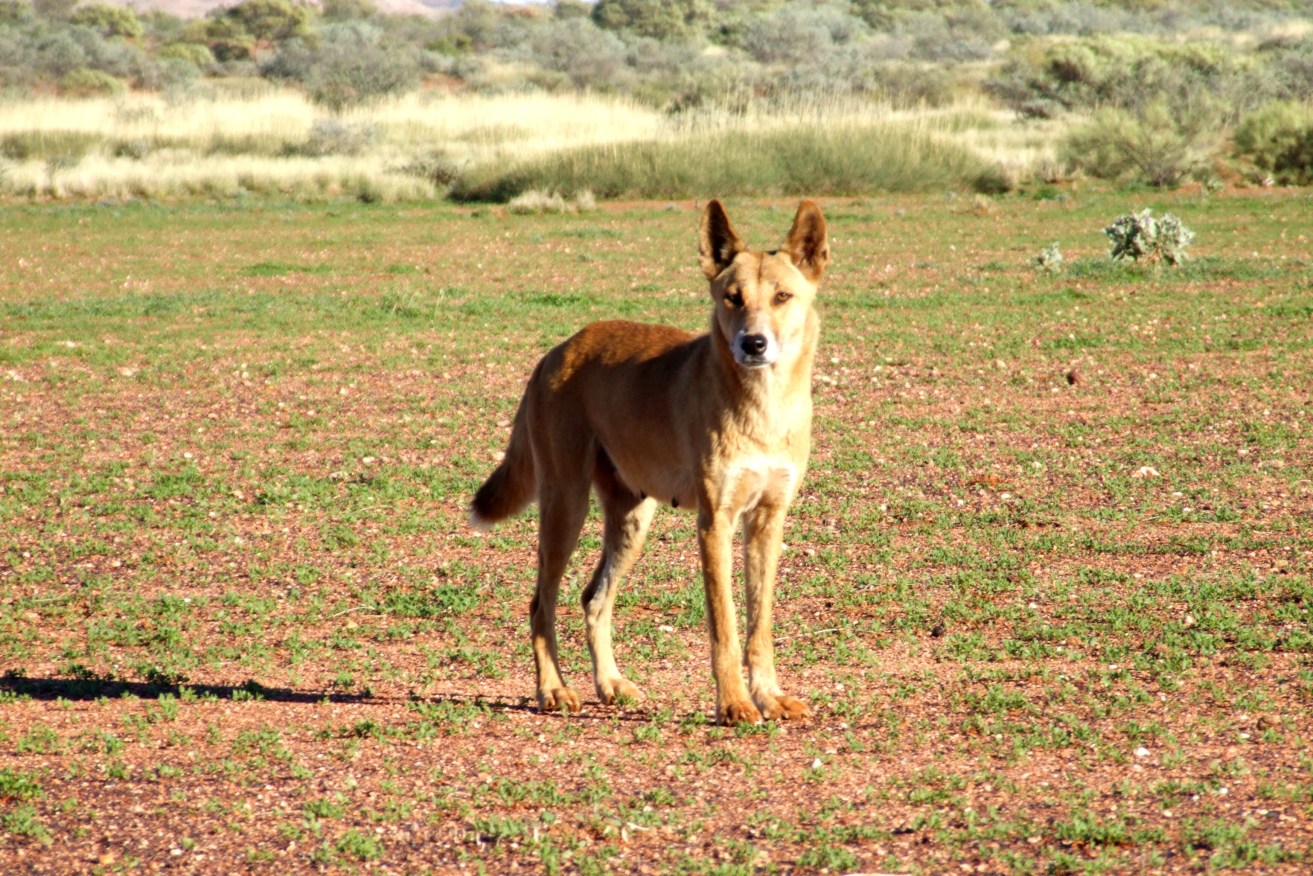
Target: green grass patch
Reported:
point(1047, 576)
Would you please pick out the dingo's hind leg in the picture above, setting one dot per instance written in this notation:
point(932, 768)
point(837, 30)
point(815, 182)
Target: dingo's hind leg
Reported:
point(627, 517)
point(561, 515)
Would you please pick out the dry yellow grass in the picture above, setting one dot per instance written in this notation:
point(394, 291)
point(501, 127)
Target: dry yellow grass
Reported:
point(260, 139)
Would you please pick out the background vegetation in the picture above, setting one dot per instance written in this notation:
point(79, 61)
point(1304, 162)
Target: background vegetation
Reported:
point(1156, 93)
point(1048, 583)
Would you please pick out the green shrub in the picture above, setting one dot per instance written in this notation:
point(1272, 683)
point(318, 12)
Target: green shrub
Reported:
point(1277, 140)
point(580, 53)
point(438, 168)
point(137, 149)
point(85, 82)
point(42, 145)
point(198, 54)
point(348, 10)
point(814, 31)
point(334, 137)
point(659, 19)
point(1294, 165)
point(913, 85)
point(1159, 144)
point(227, 39)
point(269, 20)
point(110, 21)
point(349, 64)
point(1130, 72)
point(951, 33)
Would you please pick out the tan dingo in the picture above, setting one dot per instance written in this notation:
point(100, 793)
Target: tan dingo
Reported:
point(719, 422)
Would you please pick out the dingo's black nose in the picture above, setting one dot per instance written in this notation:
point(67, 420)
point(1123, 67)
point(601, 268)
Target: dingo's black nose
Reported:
point(753, 345)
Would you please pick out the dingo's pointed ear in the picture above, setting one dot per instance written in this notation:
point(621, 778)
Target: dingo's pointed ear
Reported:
point(807, 244)
point(717, 242)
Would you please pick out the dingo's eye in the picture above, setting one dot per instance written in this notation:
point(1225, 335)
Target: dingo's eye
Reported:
point(734, 299)
point(782, 296)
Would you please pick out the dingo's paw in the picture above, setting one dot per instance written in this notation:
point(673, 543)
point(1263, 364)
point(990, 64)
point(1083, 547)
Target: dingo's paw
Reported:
point(559, 699)
point(618, 688)
point(785, 708)
point(738, 712)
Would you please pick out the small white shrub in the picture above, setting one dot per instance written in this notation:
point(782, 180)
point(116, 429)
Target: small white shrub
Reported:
point(1141, 235)
point(531, 202)
point(1050, 259)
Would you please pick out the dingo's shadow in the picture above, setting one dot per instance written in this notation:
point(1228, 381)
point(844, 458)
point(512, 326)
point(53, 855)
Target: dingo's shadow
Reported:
point(92, 687)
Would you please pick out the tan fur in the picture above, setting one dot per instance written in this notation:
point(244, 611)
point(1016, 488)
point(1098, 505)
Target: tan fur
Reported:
point(646, 414)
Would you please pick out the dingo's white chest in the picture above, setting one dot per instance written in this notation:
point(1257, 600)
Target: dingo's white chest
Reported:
point(752, 480)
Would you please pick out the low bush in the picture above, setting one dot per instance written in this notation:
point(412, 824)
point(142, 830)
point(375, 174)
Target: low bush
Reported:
point(436, 168)
point(579, 54)
point(84, 82)
point(40, 145)
point(1160, 144)
point(334, 137)
point(839, 160)
point(552, 202)
point(197, 54)
point(108, 21)
point(348, 65)
point(1131, 72)
point(1277, 143)
point(136, 149)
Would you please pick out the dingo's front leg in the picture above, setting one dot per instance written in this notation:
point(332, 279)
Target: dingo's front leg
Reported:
point(763, 536)
point(715, 535)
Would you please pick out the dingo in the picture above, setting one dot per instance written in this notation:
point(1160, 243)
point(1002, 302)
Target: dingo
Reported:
point(720, 422)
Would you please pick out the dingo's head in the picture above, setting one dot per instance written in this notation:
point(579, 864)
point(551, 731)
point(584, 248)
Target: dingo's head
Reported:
point(763, 300)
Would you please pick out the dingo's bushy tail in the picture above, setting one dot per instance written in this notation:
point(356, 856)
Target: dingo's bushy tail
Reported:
point(511, 486)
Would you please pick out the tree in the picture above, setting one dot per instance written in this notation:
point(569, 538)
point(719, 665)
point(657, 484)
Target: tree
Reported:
point(567, 9)
point(659, 19)
point(54, 10)
point(814, 31)
point(584, 53)
point(476, 26)
point(58, 54)
point(1161, 144)
point(270, 21)
point(227, 39)
point(349, 10)
point(347, 65)
point(109, 21)
point(15, 12)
